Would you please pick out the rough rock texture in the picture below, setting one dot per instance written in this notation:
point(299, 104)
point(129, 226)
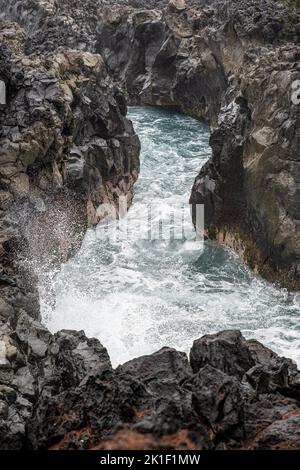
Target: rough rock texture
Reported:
point(160, 402)
point(154, 56)
point(235, 64)
point(67, 150)
point(251, 185)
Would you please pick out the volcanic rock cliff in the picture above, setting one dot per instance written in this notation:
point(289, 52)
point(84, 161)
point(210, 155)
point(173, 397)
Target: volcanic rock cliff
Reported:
point(66, 147)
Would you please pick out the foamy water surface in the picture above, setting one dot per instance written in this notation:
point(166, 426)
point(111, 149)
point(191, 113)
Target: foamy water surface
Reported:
point(137, 295)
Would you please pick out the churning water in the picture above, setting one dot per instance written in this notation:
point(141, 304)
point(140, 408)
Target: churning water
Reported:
point(137, 295)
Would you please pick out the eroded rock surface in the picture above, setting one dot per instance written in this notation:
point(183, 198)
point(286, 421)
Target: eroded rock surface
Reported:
point(160, 401)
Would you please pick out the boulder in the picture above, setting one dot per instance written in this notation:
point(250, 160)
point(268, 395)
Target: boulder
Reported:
point(177, 5)
point(227, 351)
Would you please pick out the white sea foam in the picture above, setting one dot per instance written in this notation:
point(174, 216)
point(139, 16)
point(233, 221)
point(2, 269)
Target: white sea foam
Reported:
point(137, 295)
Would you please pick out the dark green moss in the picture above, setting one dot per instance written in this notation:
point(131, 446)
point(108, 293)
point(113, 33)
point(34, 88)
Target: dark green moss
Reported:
point(212, 233)
point(250, 254)
point(196, 113)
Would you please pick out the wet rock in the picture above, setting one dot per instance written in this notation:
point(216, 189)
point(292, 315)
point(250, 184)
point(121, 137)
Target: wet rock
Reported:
point(218, 400)
point(177, 5)
point(32, 335)
point(82, 415)
point(4, 362)
point(274, 376)
point(260, 353)
point(227, 351)
point(283, 434)
point(70, 357)
point(82, 403)
point(164, 365)
point(24, 380)
point(261, 410)
point(7, 394)
point(272, 372)
point(3, 410)
point(165, 407)
point(154, 66)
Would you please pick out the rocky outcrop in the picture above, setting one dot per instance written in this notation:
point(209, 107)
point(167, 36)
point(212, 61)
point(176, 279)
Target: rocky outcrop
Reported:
point(234, 394)
point(154, 56)
point(236, 66)
point(250, 187)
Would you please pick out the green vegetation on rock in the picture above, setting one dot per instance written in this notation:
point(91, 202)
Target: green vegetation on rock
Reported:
point(211, 232)
point(196, 113)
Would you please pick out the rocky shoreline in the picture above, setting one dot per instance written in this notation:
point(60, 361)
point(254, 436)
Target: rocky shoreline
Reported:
point(66, 147)
point(235, 65)
point(232, 394)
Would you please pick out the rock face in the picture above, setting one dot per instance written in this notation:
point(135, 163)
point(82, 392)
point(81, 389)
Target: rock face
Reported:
point(154, 56)
point(250, 187)
point(236, 66)
point(222, 400)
